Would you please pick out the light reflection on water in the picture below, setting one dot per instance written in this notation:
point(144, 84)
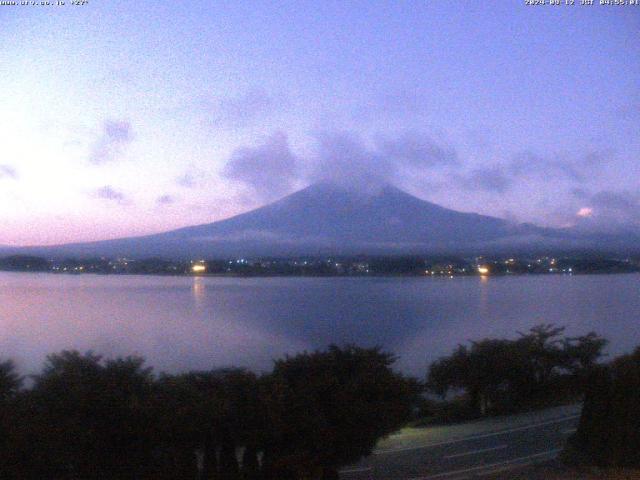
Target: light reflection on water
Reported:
point(179, 323)
point(198, 290)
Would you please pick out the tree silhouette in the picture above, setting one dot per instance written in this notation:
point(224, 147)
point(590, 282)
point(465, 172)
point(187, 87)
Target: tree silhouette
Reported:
point(501, 375)
point(328, 409)
point(10, 381)
point(90, 417)
point(10, 384)
point(212, 413)
point(609, 431)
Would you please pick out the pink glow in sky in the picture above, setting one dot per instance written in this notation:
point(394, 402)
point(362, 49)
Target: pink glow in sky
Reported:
point(585, 212)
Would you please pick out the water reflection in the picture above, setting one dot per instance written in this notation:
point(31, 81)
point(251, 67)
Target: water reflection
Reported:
point(202, 322)
point(483, 304)
point(198, 290)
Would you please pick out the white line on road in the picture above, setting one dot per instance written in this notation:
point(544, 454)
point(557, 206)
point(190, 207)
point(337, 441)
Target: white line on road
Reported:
point(475, 437)
point(355, 470)
point(514, 461)
point(473, 452)
point(493, 471)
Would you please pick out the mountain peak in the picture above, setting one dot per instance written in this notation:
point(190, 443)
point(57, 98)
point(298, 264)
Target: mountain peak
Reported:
point(328, 188)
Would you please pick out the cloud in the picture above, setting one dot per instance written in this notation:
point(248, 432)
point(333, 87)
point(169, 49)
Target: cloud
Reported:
point(577, 169)
point(527, 165)
point(621, 208)
point(192, 177)
point(107, 192)
point(416, 150)
point(608, 209)
point(618, 201)
point(7, 171)
point(491, 179)
point(270, 169)
point(343, 158)
point(115, 136)
point(165, 200)
point(188, 180)
point(346, 158)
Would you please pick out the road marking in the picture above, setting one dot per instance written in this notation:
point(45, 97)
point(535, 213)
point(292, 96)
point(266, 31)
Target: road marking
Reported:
point(493, 471)
point(355, 470)
point(569, 430)
point(491, 465)
point(473, 452)
point(475, 437)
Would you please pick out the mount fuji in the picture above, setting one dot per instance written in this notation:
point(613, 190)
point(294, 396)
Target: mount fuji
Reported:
point(329, 219)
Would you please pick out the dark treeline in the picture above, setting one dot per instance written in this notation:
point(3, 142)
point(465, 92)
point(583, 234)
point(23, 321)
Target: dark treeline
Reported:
point(542, 367)
point(25, 263)
point(361, 265)
point(495, 376)
point(609, 431)
point(85, 417)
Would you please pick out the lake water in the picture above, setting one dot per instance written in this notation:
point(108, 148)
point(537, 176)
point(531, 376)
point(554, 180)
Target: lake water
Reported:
point(181, 323)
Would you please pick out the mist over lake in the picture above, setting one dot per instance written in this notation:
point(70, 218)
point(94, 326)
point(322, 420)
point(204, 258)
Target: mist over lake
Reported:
point(180, 323)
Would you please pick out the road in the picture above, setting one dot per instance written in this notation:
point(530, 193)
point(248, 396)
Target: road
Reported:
point(469, 450)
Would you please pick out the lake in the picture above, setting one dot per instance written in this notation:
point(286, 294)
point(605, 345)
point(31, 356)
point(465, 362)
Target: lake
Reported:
point(181, 323)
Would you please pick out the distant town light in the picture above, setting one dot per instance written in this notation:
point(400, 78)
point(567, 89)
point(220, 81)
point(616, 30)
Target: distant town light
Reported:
point(198, 268)
point(483, 270)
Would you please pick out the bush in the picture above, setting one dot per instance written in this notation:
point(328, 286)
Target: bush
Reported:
point(609, 431)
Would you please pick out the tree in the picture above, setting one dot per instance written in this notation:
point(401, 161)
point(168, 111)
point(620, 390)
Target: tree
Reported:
point(89, 417)
point(24, 263)
point(212, 413)
point(583, 352)
point(541, 347)
point(328, 409)
point(608, 434)
point(488, 373)
point(10, 384)
point(10, 381)
point(501, 375)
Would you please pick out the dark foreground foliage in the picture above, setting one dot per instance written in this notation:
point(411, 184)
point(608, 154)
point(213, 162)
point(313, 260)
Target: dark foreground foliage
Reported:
point(89, 418)
point(497, 376)
point(609, 431)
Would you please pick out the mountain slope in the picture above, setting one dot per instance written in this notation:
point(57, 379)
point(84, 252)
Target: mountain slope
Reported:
point(329, 219)
point(326, 213)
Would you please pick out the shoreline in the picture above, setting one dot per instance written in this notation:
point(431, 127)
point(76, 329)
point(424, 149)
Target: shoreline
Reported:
point(332, 275)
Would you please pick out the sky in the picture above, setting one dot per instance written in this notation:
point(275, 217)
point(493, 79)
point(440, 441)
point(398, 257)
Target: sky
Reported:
point(122, 118)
